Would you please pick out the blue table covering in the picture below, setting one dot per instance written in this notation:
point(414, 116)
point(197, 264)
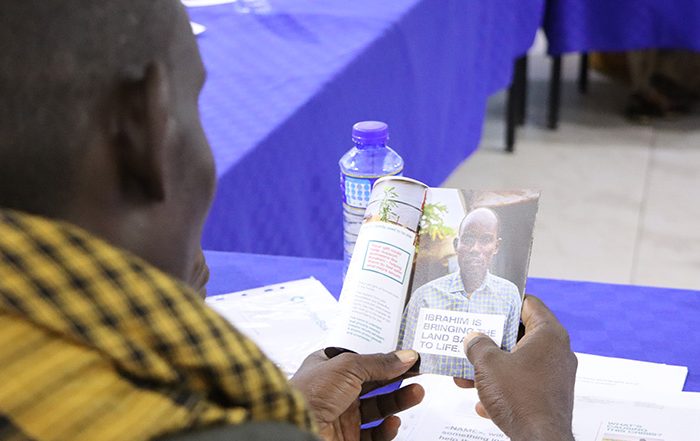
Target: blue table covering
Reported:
point(284, 89)
point(649, 324)
point(621, 25)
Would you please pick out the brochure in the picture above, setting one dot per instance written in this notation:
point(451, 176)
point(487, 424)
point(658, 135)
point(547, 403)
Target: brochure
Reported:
point(431, 265)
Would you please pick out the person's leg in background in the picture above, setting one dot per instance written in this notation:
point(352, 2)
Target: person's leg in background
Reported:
point(644, 101)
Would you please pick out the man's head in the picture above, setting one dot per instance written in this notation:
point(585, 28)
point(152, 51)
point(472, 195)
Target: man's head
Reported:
point(477, 243)
point(99, 122)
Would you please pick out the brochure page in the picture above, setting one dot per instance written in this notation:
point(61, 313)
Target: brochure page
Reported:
point(375, 287)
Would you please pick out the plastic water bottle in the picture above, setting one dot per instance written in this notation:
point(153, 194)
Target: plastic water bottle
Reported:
point(370, 159)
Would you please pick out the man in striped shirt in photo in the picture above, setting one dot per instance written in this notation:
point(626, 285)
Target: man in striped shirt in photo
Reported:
point(472, 289)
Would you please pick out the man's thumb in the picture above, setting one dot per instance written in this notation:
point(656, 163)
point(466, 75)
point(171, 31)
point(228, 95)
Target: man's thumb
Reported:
point(480, 348)
point(381, 367)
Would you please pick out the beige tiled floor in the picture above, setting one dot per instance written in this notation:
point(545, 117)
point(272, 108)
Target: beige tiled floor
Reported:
point(620, 202)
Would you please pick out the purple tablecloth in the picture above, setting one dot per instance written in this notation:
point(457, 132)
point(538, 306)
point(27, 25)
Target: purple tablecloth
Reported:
point(284, 89)
point(649, 324)
point(621, 25)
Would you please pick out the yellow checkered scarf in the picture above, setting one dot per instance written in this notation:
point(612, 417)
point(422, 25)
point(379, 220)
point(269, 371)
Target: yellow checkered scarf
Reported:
point(95, 344)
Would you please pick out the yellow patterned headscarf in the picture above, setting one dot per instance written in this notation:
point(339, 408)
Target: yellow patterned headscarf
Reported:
point(95, 344)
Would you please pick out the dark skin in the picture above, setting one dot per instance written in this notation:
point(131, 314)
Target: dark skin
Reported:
point(333, 388)
point(528, 393)
point(145, 183)
point(477, 244)
point(136, 191)
point(200, 275)
point(146, 186)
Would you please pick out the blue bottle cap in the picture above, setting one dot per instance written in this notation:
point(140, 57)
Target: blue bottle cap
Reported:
point(370, 132)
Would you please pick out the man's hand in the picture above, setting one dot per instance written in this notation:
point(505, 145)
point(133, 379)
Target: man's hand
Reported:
point(528, 393)
point(199, 276)
point(333, 389)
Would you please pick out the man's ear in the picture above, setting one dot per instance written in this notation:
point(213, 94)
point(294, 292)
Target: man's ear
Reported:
point(455, 243)
point(142, 126)
point(498, 245)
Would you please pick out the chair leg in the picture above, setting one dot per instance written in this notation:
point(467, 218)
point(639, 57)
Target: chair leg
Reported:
point(554, 93)
point(516, 105)
point(583, 73)
point(511, 110)
point(521, 78)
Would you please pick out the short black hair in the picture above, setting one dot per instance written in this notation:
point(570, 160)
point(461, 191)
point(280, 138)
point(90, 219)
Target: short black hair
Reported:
point(59, 62)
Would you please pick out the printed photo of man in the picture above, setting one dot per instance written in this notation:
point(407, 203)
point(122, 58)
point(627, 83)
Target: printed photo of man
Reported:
point(472, 288)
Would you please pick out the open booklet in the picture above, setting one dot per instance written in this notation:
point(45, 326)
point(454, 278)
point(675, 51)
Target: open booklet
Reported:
point(431, 265)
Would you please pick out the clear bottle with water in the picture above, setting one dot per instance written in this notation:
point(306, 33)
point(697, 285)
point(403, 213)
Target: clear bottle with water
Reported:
point(370, 159)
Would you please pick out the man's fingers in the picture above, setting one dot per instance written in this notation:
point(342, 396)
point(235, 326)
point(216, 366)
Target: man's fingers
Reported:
point(480, 349)
point(350, 421)
point(540, 322)
point(481, 410)
point(373, 385)
point(382, 406)
point(382, 367)
point(464, 383)
point(313, 359)
point(535, 313)
point(383, 432)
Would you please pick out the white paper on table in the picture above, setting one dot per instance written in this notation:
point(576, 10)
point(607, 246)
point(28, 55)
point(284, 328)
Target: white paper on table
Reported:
point(637, 415)
point(197, 3)
point(627, 400)
point(446, 413)
point(288, 321)
point(607, 373)
point(623, 398)
point(197, 28)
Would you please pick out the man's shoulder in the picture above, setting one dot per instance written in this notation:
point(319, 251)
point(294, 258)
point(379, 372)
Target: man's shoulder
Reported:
point(58, 369)
point(504, 286)
point(439, 285)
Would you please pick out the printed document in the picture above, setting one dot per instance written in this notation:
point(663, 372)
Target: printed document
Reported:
point(288, 321)
point(616, 400)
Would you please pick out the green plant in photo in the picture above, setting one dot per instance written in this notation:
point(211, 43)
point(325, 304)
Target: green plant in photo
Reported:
point(386, 207)
point(432, 222)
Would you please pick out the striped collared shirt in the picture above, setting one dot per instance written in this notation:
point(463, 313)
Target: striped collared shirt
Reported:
point(495, 296)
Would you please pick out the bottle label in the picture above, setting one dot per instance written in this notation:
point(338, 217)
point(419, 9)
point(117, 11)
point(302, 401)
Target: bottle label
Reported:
point(356, 191)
